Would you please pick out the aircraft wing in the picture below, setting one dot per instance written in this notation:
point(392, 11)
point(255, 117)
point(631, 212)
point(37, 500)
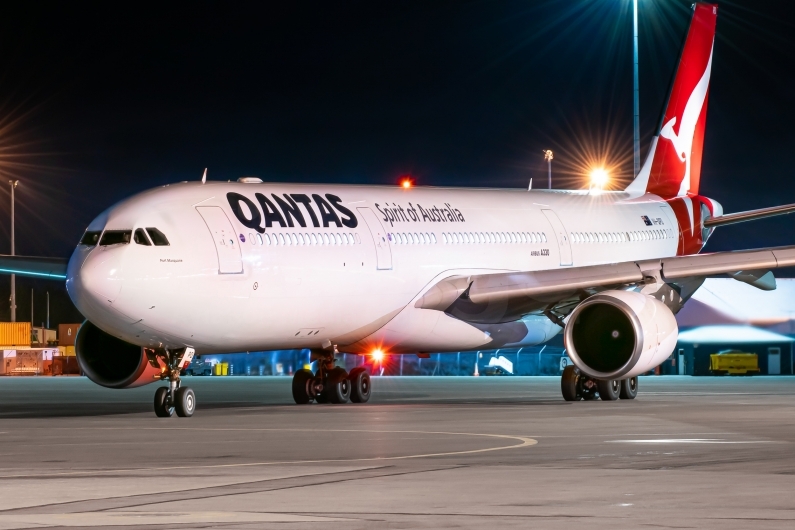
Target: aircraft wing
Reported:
point(502, 297)
point(34, 267)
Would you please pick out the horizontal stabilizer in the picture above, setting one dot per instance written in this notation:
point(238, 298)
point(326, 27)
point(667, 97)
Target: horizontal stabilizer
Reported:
point(750, 215)
point(34, 267)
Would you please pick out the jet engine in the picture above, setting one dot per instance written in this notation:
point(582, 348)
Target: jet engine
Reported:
point(620, 334)
point(111, 362)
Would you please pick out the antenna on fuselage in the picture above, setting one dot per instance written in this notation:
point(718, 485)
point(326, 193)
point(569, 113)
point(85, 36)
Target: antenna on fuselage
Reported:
point(530, 187)
point(204, 177)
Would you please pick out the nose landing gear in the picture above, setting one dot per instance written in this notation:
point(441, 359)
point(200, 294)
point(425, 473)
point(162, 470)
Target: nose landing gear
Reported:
point(330, 384)
point(175, 398)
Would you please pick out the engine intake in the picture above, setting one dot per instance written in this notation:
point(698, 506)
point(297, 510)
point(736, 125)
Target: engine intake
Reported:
point(620, 334)
point(111, 362)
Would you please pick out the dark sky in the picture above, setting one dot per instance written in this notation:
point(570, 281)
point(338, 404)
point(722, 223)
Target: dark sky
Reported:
point(101, 100)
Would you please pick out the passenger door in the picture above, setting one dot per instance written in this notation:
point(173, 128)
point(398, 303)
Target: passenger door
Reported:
point(382, 251)
point(564, 246)
point(224, 238)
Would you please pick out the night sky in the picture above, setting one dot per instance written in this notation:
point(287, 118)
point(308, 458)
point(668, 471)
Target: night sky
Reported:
point(102, 100)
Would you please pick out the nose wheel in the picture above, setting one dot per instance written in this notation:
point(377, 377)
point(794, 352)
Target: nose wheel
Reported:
point(175, 397)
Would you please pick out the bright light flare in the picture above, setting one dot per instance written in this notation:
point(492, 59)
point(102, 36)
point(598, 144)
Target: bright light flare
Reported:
point(599, 178)
point(377, 355)
point(406, 183)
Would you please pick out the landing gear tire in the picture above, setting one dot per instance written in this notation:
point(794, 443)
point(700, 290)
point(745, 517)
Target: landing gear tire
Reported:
point(629, 388)
point(185, 402)
point(360, 385)
point(163, 407)
point(570, 384)
point(338, 387)
point(609, 389)
point(301, 382)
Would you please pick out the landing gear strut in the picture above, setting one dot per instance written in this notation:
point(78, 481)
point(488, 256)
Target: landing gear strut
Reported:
point(576, 386)
point(174, 397)
point(330, 384)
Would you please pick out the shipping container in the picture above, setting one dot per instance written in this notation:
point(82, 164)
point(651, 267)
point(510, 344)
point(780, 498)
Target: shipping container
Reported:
point(43, 336)
point(65, 366)
point(67, 334)
point(15, 334)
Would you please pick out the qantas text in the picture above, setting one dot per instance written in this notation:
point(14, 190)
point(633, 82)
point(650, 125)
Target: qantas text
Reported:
point(288, 213)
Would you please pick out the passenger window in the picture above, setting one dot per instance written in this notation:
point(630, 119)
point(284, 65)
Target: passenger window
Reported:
point(544, 237)
point(259, 239)
point(433, 238)
point(140, 237)
point(115, 237)
point(90, 238)
point(158, 238)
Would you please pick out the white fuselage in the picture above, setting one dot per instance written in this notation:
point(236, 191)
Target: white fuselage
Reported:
point(226, 283)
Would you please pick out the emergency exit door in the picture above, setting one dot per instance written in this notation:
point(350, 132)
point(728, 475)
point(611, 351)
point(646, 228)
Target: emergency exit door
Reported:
point(226, 245)
point(564, 245)
point(383, 254)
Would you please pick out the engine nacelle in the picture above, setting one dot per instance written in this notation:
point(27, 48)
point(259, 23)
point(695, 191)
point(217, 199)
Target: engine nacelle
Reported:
point(620, 334)
point(111, 362)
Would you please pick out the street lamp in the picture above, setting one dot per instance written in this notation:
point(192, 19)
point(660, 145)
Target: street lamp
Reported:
point(548, 158)
point(13, 184)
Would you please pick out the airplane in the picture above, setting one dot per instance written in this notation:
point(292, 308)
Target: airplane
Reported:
point(203, 267)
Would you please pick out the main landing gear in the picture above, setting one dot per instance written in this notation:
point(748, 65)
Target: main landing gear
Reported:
point(330, 384)
point(576, 386)
point(175, 397)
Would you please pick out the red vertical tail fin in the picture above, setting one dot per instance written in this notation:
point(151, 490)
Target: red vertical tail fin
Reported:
point(673, 167)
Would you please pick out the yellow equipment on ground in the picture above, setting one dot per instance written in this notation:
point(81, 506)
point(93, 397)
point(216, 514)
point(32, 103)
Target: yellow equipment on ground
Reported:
point(221, 369)
point(734, 363)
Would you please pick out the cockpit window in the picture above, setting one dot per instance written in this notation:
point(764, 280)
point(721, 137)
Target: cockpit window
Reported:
point(91, 238)
point(140, 237)
point(115, 237)
point(158, 237)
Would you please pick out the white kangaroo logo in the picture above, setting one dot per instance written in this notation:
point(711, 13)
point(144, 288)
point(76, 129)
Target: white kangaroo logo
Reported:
point(683, 142)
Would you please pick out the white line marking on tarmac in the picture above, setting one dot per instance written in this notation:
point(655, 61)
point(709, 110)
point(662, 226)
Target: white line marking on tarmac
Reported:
point(688, 441)
point(524, 442)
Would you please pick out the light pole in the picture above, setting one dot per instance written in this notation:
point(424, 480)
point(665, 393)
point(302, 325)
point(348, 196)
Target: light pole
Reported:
point(636, 115)
point(13, 184)
point(548, 158)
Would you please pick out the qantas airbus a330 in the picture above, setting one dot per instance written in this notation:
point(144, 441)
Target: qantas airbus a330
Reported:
point(214, 267)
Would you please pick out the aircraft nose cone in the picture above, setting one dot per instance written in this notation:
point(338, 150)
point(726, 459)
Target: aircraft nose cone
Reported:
point(101, 274)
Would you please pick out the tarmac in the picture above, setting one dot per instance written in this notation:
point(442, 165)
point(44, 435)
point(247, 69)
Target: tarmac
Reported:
point(444, 452)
